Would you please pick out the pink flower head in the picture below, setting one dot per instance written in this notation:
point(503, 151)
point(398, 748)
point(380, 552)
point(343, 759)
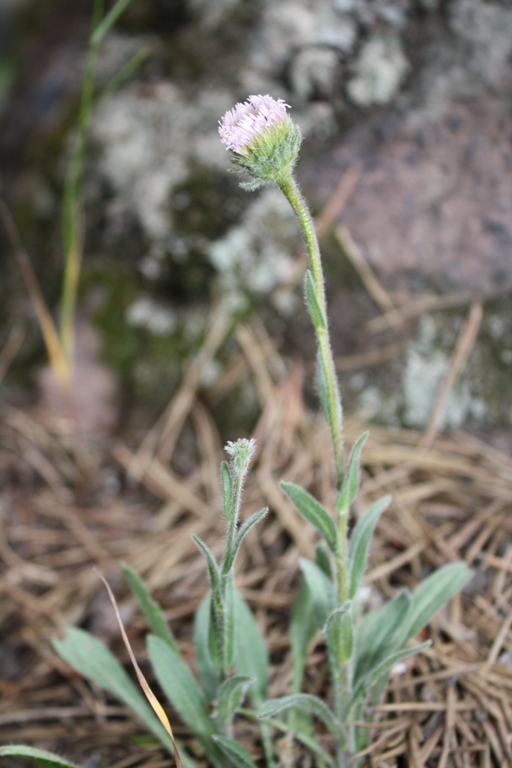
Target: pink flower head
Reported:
point(245, 122)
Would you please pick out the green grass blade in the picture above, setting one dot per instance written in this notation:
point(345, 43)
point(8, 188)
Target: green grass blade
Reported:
point(41, 757)
point(150, 607)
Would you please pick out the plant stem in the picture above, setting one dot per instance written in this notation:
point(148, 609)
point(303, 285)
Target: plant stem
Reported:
point(72, 201)
point(294, 196)
point(342, 678)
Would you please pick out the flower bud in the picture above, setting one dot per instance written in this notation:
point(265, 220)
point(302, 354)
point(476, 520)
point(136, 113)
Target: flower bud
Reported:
point(263, 140)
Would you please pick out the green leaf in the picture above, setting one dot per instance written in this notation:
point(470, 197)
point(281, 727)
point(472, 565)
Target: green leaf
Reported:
point(206, 667)
point(251, 657)
point(181, 689)
point(303, 628)
point(339, 633)
point(151, 609)
point(433, 593)
point(41, 757)
point(360, 540)
point(306, 703)
point(320, 588)
point(323, 561)
point(384, 667)
point(242, 533)
point(231, 695)
point(316, 314)
point(236, 754)
point(323, 390)
point(179, 685)
point(350, 485)
point(314, 512)
point(229, 625)
point(379, 634)
point(227, 490)
point(213, 568)
point(92, 659)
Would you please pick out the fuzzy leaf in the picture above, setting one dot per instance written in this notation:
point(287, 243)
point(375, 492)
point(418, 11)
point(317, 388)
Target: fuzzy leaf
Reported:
point(360, 541)
point(181, 689)
point(92, 659)
point(385, 666)
point(207, 670)
point(323, 391)
point(316, 314)
point(242, 533)
point(305, 702)
point(231, 695)
point(150, 607)
point(225, 477)
point(377, 634)
point(179, 685)
point(320, 588)
point(433, 593)
point(303, 628)
point(339, 633)
point(213, 568)
point(236, 754)
point(229, 625)
point(323, 561)
point(251, 657)
point(41, 757)
point(314, 513)
point(351, 481)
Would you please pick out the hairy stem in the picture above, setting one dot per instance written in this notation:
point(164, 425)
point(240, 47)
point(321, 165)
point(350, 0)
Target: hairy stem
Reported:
point(342, 678)
point(296, 200)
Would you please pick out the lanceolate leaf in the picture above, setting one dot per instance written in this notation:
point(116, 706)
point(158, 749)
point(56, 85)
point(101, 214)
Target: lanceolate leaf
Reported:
point(320, 589)
point(236, 754)
point(231, 695)
point(41, 757)
point(225, 477)
point(385, 666)
point(206, 667)
point(323, 561)
point(360, 541)
point(180, 687)
point(92, 659)
point(229, 624)
point(152, 610)
point(380, 633)
point(242, 533)
point(305, 702)
point(314, 512)
point(323, 391)
point(251, 657)
point(303, 627)
point(317, 316)
point(433, 593)
point(339, 633)
point(213, 568)
point(350, 485)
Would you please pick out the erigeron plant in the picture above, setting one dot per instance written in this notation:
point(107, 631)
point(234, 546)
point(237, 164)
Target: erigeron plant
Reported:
point(231, 657)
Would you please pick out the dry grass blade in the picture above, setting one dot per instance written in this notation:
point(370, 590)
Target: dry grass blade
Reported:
point(374, 287)
point(58, 359)
point(157, 707)
point(461, 354)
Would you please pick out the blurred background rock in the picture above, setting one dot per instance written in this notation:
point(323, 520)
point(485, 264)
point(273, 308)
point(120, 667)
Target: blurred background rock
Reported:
point(412, 97)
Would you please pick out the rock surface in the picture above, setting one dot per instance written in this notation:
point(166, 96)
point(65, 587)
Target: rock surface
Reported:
point(417, 101)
